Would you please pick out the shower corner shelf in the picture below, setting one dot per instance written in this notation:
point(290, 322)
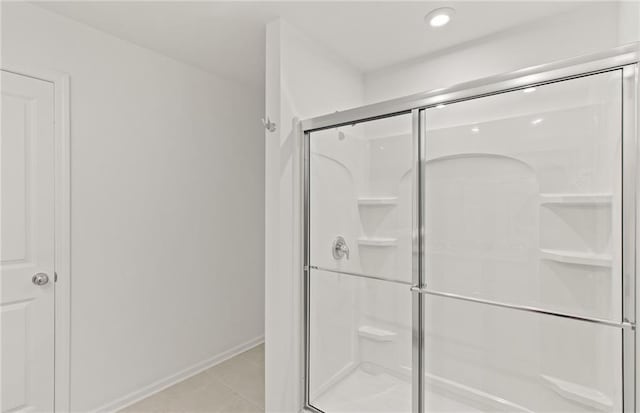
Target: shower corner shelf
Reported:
point(576, 199)
point(575, 257)
point(377, 201)
point(579, 393)
point(376, 334)
point(378, 242)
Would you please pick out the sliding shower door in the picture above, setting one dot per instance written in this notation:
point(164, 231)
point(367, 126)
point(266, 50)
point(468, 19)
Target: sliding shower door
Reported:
point(476, 253)
point(522, 269)
point(359, 314)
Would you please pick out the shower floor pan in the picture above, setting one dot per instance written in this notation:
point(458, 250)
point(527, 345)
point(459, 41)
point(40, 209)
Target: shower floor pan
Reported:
point(364, 392)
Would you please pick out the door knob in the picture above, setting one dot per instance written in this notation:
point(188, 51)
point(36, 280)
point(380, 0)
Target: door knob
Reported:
point(40, 278)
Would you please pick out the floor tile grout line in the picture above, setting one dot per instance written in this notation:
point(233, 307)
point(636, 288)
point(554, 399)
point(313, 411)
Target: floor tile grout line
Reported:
point(219, 380)
point(249, 359)
point(235, 391)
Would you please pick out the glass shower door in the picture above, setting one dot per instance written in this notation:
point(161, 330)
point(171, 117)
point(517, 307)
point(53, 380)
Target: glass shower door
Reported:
point(359, 314)
point(522, 281)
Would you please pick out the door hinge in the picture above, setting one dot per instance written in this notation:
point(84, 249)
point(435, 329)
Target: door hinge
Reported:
point(55, 277)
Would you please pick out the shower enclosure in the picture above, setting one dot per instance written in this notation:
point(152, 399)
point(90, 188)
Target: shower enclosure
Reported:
point(473, 249)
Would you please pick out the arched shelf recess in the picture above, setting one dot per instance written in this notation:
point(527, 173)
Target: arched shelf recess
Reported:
point(329, 158)
point(478, 155)
point(551, 199)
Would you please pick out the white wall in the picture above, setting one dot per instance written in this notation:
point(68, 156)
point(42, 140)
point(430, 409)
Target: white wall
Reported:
point(303, 80)
point(167, 222)
point(629, 22)
point(592, 28)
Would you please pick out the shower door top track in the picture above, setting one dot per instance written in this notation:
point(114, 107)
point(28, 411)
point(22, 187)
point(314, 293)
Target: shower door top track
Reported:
point(626, 59)
point(519, 79)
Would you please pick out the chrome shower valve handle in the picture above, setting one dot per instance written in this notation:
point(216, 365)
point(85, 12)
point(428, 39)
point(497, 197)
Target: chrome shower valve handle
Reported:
point(340, 248)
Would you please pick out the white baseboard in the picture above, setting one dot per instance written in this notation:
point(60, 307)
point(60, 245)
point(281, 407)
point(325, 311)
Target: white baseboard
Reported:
point(162, 384)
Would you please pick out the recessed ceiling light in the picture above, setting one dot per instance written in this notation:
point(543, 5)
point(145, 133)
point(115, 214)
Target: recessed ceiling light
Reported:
point(439, 17)
point(536, 121)
point(529, 90)
point(475, 129)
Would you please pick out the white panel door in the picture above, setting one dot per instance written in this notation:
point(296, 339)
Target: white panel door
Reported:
point(27, 245)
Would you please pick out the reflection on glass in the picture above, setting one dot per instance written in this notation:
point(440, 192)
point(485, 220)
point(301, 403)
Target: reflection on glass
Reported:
point(523, 207)
point(481, 358)
point(523, 197)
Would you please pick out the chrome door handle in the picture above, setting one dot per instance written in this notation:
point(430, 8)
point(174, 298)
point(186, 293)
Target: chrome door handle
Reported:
point(340, 248)
point(40, 278)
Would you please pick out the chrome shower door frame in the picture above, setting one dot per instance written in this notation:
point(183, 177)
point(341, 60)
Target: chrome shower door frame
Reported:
point(625, 59)
point(630, 234)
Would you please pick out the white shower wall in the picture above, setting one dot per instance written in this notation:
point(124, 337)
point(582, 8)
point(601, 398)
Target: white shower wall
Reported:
point(361, 189)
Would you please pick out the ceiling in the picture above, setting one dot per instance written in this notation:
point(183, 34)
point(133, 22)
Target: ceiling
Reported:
point(228, 38)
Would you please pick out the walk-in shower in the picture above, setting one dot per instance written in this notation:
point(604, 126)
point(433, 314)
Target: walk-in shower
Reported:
point(473, 249)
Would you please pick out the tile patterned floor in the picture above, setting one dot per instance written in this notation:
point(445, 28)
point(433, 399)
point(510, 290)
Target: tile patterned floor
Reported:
point(234, 386)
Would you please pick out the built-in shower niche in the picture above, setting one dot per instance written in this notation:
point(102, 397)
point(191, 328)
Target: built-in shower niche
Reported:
point(577, 252)
point(374, 210)
point(577, 228)
point(384, 205)
point(377, 247)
